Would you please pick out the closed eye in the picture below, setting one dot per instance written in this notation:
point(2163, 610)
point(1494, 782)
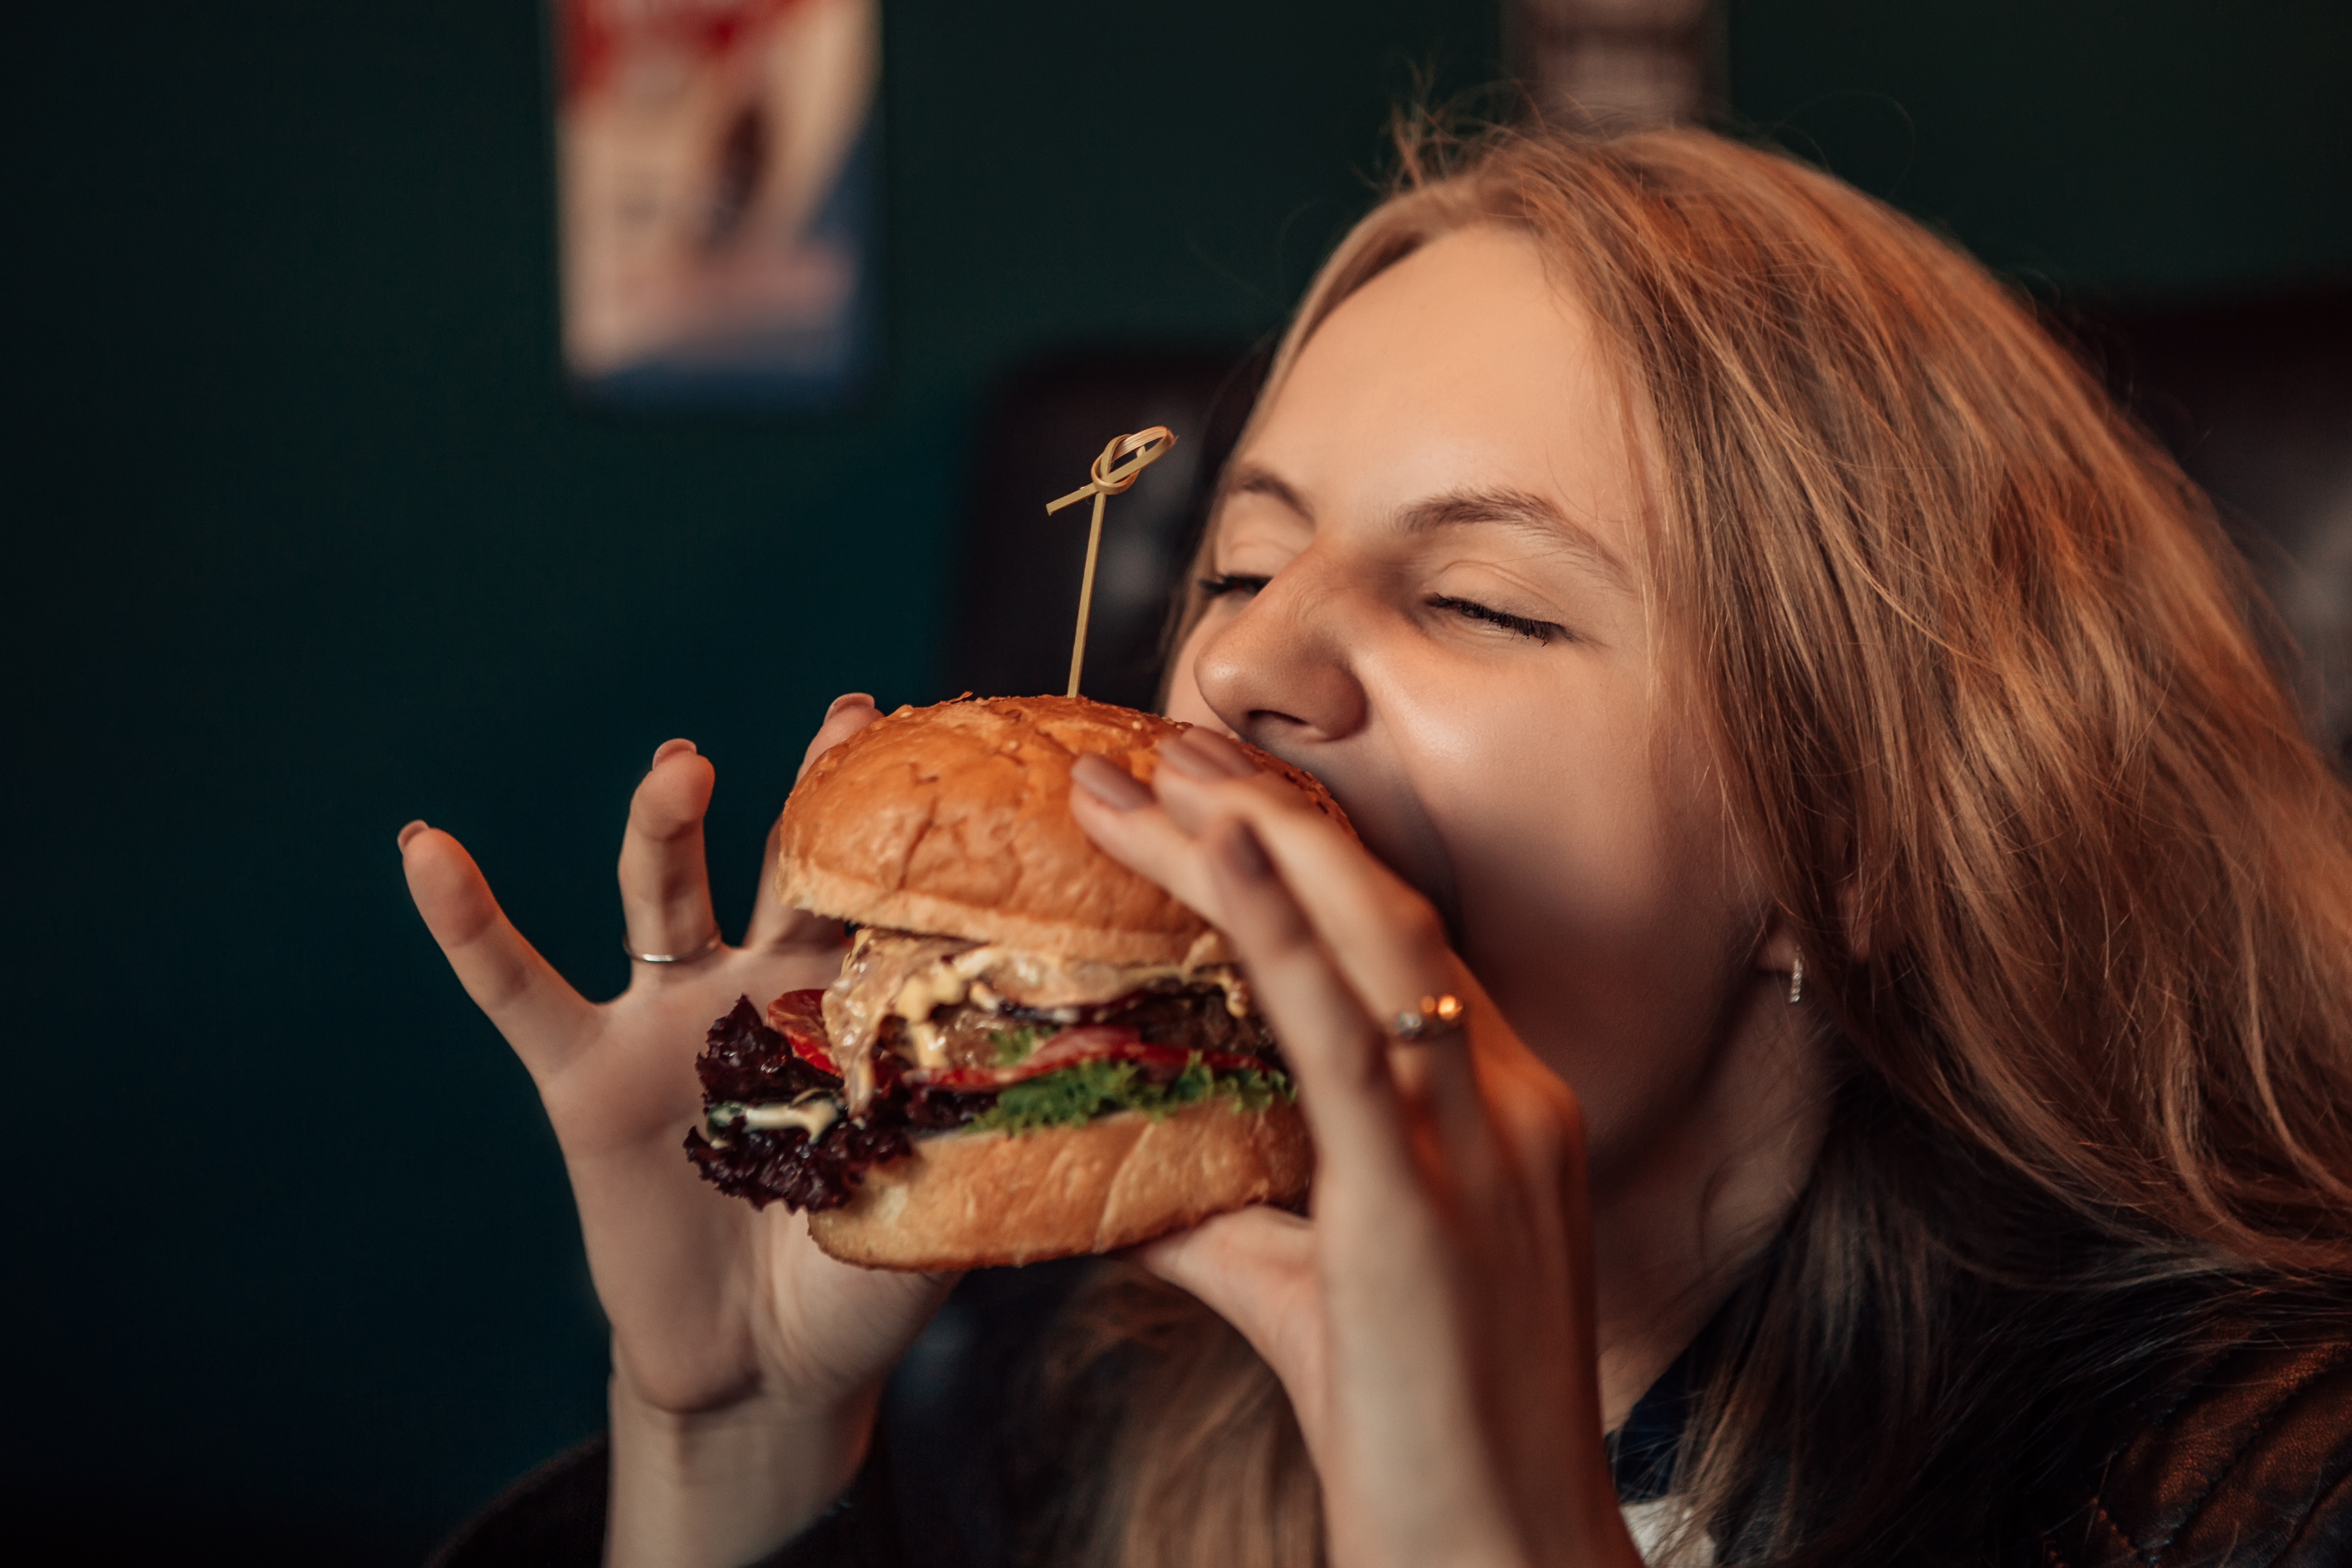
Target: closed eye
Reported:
point(1520, 625)
point(1225, 582)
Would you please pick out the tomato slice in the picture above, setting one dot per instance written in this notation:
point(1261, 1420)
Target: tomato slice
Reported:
point(798, 1017)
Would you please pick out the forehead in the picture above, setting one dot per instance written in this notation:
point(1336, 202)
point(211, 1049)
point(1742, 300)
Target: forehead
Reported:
point(1464, 367)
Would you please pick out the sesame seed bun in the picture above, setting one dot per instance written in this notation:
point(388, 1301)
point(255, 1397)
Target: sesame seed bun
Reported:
point(954, 820)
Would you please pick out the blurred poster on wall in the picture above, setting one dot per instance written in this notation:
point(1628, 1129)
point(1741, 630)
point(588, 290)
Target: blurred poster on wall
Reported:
point(720, 169)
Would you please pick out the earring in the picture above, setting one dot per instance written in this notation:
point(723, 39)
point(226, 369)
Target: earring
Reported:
point(1796, 979)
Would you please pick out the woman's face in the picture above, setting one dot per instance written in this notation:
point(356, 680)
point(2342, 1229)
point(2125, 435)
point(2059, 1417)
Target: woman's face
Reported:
point(1431, 594)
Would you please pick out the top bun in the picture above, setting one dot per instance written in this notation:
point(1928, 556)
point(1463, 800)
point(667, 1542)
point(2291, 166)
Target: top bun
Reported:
point(955, 821)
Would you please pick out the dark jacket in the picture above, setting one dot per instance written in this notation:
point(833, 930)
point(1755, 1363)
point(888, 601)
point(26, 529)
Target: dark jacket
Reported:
point(2238, 1453)
point(2243, 1457)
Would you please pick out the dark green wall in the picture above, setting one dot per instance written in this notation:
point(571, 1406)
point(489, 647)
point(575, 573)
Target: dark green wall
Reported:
point(2123, 149)
point(304, 541)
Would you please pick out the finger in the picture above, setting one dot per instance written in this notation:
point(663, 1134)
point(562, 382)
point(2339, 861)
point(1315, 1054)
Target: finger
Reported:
point(665, 883)
point(1386, 940)
point(1388, 1244)
point(543, 1018)
point(1397, 953)
point(1206, 755)
point(1124, 818)
point(1346, 1090)
point(1254, 1268)
point(775, 923)
point(1539, 1128)
point(1385, 935)
point(849, 712)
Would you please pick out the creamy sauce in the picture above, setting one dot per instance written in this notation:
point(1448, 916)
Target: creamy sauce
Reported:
point(897, 974)
point(997, 974)
point(812, 1115)
point(880, 969)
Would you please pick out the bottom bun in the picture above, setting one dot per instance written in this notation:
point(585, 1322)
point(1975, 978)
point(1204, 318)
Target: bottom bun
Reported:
point(974, 1200)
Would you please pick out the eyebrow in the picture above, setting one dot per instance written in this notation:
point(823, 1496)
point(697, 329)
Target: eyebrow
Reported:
point(1519, 509)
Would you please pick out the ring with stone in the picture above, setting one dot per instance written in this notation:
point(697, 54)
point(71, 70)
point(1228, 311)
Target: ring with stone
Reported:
point(1433, 1020)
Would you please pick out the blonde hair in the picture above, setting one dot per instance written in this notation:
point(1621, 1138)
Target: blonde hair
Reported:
point(2074, 887)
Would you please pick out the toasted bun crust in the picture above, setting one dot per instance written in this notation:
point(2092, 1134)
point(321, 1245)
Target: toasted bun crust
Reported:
point(955, 821)
point(974, 1200)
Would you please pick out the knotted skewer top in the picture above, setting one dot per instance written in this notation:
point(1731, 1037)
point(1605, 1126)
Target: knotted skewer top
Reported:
point(1112, 478)
point(1111, 474)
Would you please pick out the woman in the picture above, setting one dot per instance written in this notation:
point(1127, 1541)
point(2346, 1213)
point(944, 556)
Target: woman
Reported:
point(1908, 944)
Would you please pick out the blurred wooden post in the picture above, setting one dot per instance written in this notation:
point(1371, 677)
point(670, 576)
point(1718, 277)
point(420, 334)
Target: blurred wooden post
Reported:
point(1619, 65)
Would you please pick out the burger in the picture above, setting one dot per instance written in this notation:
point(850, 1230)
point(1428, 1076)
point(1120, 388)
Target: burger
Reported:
point(1030, 1051)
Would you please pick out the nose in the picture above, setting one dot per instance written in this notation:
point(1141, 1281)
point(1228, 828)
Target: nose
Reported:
point(1279, 673)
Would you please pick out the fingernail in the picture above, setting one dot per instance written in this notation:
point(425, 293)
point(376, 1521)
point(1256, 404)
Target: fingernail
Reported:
point(411, 831)
point(1178, 757)
point(1107, 781)
point(1219, 753)
point(668, 749)
point(849, 699)
point(1244, 855)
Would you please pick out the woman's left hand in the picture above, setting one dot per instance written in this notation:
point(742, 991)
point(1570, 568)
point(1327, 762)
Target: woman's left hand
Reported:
point(1433, 1322)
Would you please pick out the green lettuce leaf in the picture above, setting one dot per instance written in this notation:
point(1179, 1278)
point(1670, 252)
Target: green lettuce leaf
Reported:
point(1011, 1047)
point(1072, 1096)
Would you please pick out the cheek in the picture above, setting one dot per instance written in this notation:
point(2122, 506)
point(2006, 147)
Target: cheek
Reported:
point(1598, 903)
point(1564, 812)
point(1567, 836)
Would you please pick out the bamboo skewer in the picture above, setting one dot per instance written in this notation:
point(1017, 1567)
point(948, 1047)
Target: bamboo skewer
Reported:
point(1109, 476)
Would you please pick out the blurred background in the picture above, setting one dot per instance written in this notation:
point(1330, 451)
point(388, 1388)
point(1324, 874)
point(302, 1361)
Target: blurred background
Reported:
point(307, 535)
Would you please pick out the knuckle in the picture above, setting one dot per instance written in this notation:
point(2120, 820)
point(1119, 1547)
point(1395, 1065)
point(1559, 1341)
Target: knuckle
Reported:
point(1545, 1144)
point(1549, 1137)
point(1419, 935)
point(1353, 1075)
point(1283, 944)
point(1360, 1067)
point(1275, 792)
point(1417, 921)
point(1284, 968)
point(465, 919)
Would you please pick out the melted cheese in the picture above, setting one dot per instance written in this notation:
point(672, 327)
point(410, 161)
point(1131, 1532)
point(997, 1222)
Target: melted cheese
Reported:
point(856, 1005)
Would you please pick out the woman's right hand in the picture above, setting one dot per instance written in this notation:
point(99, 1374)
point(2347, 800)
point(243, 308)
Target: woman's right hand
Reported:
point(746, 1363)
